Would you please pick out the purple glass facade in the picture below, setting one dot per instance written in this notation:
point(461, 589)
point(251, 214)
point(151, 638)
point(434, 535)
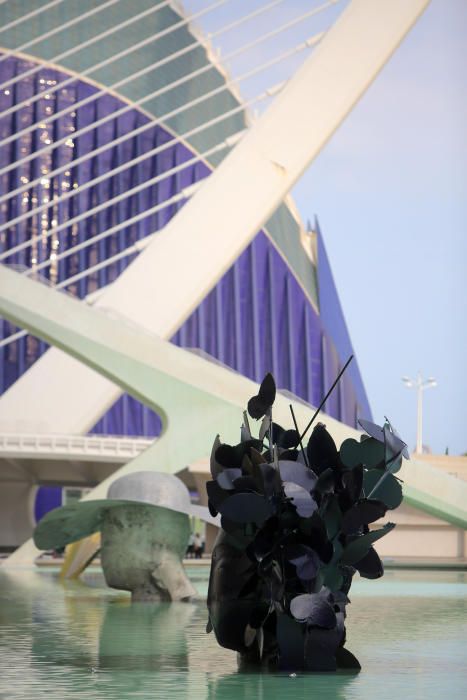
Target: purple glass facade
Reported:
point(337, 341)
point(257, 319)
point(47, 498)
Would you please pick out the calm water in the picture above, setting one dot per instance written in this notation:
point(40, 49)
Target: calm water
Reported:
point(82, 640)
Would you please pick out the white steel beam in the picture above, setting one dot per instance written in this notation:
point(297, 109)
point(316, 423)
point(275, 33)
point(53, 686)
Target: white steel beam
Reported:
point(196, 398)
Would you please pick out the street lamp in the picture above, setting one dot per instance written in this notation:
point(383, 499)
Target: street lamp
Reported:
point(419, 384)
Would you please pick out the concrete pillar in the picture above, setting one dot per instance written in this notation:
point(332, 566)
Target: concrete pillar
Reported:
point(16, 512)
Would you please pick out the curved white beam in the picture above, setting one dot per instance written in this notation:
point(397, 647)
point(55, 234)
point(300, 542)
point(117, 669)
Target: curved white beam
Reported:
point(196, 398)
point(176, 271)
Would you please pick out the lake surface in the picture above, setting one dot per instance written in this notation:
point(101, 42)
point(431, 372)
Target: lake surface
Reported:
point(83, 640)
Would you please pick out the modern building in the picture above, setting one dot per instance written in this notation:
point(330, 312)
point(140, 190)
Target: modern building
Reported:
point(112, 116)
point(111, 119)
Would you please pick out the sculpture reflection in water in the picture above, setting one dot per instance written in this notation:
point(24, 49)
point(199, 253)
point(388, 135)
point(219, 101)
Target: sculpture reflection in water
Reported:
point(85, 630)
point(145, 637)
point(295, 529)
point(144, 525)
point(286, 686)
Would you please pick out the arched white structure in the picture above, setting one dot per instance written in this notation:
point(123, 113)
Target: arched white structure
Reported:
point(167, 281)
point(196, 397)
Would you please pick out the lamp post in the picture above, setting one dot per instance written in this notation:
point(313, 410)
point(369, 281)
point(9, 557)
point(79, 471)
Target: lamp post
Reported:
point(419, 384)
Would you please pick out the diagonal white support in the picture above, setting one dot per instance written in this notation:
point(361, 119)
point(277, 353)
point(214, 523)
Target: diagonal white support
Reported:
point(169, 279)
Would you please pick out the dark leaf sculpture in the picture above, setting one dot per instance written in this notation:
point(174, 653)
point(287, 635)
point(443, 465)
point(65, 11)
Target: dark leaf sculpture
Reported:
point(294, 535)
point(260, 404)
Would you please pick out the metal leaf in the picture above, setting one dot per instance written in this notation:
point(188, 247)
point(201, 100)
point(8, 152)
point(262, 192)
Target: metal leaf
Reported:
point(226, 456)
point(332, 577)
point(290, 640)
point(260, 404)
point(315, 531)
point(321, 450)
point(362, 513)
point(374, 430)
point(267, 390)
point(304, 559)
point(246, 483)
point(290, 439)
point(247, 465)
point(350, 453)
point(265, 425)
point(370, 566)
point(389, 491)
point(394, 449)
point(289, 455)
point(271, 479)
point(308, 569)
point(372, 453)
point(245, 434)
point(237, 536)
point(265, 540)
point(215, 495)
point(394, 464)
point(246, 424)
point(346, 660)
point(227, 477)
point(356, 550)
point(298, 474)
point(249, 636)
point(326, 481)
point(313, 608)
point(320, 650)
point(393, 440)
point(352, 481)
point(260, 638)
point(300, 498)
point(285, 438)
point(216, 468)
point(256, 457)
point(246, 508)
point(256, 408)
point(332, 514)
point(378, 433)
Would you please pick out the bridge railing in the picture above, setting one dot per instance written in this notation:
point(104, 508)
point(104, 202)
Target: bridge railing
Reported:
point(97, 447)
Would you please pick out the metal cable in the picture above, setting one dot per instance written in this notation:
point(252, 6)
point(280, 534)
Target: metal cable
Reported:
point(300, 47)
point(138, 245)
point(51, 32)
point(86, 43)
point(127, 164)
point(126, 222)
point(134, 248)
point(166, 88)
point(119, 83)
point(12, 24)
point(158, 149)
point(105, 62)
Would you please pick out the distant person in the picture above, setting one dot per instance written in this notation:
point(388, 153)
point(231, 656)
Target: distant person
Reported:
point(190, 550)
point(197, 546)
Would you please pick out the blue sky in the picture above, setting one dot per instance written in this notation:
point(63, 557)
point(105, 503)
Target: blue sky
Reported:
point(389, 190)
point(390, 193)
